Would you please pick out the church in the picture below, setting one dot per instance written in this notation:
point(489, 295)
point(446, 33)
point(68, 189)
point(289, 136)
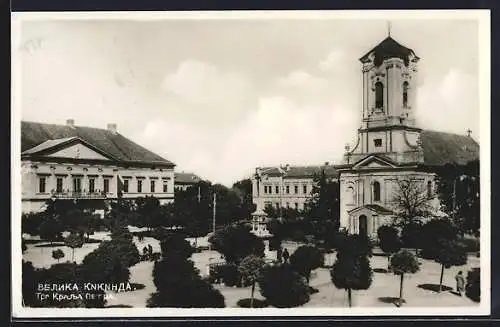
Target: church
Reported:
point(391, 147)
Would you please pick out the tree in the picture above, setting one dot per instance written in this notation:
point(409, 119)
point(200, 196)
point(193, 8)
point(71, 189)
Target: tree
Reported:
point(458, 188)
point(179, 285)
point(449, 253)
point(236, 242)
point(175, 244)
point(148, 209)
point(283, 287)
point(57, 254)
point(351, 270)
point(411, 202)
point(324, 203)
point(411, 235)
point(389, 241)
point(402, 263)
point(73, 241)
point(243, 189)
point(105, 265)
point(250, 267)
point(433, 232)
point(305, 259)
point(50, 229)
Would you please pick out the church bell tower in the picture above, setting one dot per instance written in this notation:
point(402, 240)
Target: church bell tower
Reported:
point(389, 103)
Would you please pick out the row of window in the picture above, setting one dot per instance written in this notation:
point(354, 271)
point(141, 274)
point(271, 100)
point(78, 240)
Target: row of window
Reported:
point(376, 192)
point(77, 185)
point(277, 205)
point(269, 189)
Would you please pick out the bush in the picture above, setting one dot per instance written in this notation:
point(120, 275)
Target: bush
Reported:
point(473, 285)
point(175, 244)
point(245, 303)
point(58, 254)
point(105, 264)
point(274, 244)
point(305, 259)
point(236, 243)
point(227, 274)
point(283, 287)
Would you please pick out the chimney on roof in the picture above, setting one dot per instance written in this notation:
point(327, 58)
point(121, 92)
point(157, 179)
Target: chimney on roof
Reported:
point(70, 122)
point(112, 128)
point(326, 163)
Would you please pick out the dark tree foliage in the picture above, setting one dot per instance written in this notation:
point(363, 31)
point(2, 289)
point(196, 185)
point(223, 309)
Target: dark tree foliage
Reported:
point(243, 189)
point(389, 240)
point(473, 285)
point(50, 229)
point(250, 268)
point(283, 287)
point(236, 242)
point(449, 253)
point(459, 192)
point(433, 232)
point(351, 270)
point(411, 235)
point(30, 284)
point(402, 263)
point(105, 264)
point(179, 285)
point(73, 241)
point(305, 259)
point(175, 244)
point(58, 254)
point(30, 222)
point(324, 203)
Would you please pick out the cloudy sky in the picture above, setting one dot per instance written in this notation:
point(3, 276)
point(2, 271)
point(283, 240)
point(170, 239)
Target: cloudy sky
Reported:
point(220, 97)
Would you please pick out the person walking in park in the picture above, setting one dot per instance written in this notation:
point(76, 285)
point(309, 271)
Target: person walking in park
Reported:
point(279, 254)
point(286, 255)
point(460, 283)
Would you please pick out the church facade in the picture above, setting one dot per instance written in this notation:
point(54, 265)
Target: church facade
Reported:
point(391, 148)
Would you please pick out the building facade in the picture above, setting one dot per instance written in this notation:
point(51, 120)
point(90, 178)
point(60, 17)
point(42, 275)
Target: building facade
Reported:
point(183, 181)
point(390, 147)
point(88, 165)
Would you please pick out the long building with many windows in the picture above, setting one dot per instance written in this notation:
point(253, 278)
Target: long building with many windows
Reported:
point(89, 165)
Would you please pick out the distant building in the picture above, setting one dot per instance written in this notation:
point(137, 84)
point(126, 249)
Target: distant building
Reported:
point(182, 180)
point(90, 165)
point(283, 187)
point(390, 147)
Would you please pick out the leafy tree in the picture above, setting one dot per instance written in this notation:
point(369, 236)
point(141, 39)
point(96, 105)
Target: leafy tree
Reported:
point(148, 209)
point(283, 287)
point(449, 253)
point(389, 241)
point(458, 188)
point(433, 232)
point(30, 279)
point(175, 244)
point(473, 286)
point(243, 189)
point(236, 242)
point(73, 241)
point(412, 203)
point(30, 222)
point(324, 203)
point(105, 265)
point(23, 245)
point(179, 285)
point(402, 263)
point(250, 267)
point(351, 270)
point(57, 254)
point(305, 259)
point(411, 236)
point(50, 229)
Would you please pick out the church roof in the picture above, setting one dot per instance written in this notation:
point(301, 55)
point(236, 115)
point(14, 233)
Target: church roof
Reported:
point(442, 148)
point(43, 135)
point(375, 208)
point(389, 48)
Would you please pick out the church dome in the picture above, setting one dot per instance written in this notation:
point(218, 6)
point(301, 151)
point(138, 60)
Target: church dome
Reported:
point(389, 48)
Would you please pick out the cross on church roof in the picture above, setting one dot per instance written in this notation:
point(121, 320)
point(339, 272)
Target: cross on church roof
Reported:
point(389, 28)
point(469, 132)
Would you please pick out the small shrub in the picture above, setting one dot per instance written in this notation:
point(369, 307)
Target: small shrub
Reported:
point(245, 303)
point(473, 286)
point(283, 287)
point(58, 254)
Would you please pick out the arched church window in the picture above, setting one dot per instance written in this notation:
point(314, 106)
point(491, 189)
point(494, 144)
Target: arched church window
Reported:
point(429, 189)
point(351, 195)
point(376, 191)
point(379, 95)
point(405, 94)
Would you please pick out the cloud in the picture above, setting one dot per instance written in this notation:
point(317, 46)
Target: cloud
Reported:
point(449, 103)
point(334, 60)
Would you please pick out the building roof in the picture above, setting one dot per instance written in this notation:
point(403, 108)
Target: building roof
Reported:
point(186, 178)
point(389, 48)
point(299, 171)
point(373, 207)
point(442, 148)
point(43, 135)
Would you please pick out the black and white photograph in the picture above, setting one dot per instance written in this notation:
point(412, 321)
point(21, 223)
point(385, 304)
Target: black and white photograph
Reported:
point(250, 163)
